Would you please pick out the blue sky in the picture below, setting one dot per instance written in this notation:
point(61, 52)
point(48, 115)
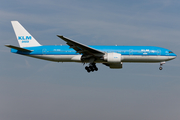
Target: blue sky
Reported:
point(36, 89)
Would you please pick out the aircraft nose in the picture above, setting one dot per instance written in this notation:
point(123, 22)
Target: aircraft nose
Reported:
point(173, 57)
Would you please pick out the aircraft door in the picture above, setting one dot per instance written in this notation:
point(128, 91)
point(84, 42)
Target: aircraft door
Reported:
point(44, 51)
point(130, 52)
point(158, 52)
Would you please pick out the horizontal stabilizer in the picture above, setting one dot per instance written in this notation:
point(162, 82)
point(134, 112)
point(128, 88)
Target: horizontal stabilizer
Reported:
point(18, 48)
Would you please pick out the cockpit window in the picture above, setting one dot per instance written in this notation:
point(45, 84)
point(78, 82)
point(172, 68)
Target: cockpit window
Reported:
point(170, 52)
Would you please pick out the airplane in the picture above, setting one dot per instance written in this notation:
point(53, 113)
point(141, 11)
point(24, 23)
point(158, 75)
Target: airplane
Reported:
point(111, 56)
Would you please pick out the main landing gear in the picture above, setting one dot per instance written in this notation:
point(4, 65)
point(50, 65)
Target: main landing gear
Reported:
point(91, 68)
point(161, 64)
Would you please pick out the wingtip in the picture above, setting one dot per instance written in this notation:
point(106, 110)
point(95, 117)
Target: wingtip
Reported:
point(60, 36)
point(7, 45)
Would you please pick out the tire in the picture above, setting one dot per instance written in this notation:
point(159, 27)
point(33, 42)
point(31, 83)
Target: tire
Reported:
point(160, 68)
point(87, 68)
point(91, 68)
point(95, 68)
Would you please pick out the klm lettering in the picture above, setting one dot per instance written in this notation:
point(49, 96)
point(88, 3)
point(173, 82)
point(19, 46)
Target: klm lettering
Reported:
point(24, 37)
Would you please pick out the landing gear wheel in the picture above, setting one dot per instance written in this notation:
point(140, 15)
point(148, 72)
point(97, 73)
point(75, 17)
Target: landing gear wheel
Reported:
point(87, 68)
point(96, 69)
point(161, 64)
point(91, 68)
point(160, 68)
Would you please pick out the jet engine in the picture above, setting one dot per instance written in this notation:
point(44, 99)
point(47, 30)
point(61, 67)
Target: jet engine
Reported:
point(113, 60)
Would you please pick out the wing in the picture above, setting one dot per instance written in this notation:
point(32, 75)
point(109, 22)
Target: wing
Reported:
point(81, 48)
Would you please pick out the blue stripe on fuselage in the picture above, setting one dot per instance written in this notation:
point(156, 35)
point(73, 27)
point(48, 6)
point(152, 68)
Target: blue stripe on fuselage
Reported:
point(124, 50)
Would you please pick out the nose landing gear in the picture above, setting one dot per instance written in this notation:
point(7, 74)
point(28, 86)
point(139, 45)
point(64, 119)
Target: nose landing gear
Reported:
point(161, 64)
point(91, 68)
point(160, 68)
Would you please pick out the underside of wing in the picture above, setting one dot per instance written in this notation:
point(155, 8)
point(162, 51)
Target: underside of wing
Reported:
point(81, 48)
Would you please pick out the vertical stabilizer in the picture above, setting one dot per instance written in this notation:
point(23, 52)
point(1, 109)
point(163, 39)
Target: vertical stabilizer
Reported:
point(24, 38)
